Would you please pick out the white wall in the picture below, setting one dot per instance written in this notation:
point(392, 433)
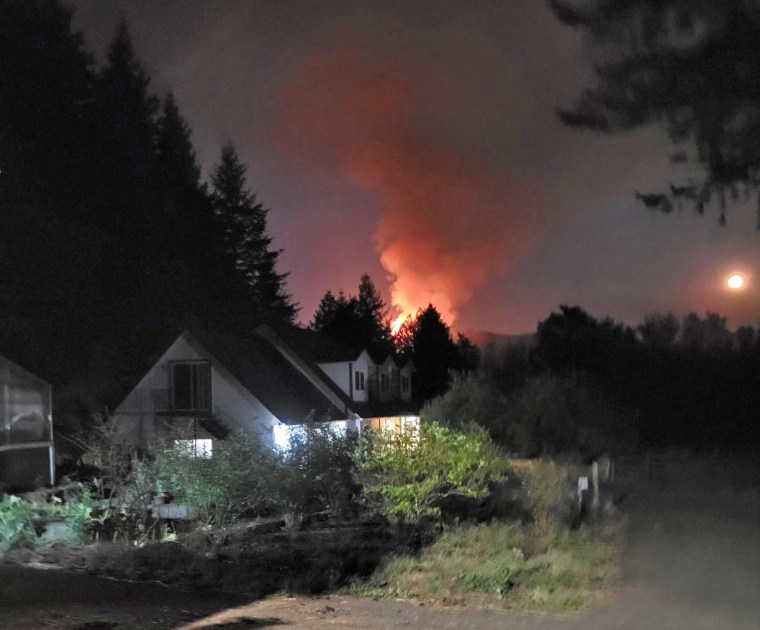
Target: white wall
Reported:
point(340, 373)
point(362, 364)
point(406, 372)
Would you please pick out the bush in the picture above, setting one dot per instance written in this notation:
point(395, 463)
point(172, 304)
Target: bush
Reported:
point(235, 480)
point(469, 400)
point(22, 519)
point(548, 493)
point(406, 474)
point(316, 473)
point(554, 414)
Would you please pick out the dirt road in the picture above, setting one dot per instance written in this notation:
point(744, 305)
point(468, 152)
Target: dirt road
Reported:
point(692, 561)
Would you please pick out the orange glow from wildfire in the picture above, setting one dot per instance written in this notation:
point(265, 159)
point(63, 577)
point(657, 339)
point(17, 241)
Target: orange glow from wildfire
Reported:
point(448, 225)
point(399, 322)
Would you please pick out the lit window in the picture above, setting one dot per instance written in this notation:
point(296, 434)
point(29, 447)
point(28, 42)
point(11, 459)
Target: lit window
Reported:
point(281, 434)
point(202, 447)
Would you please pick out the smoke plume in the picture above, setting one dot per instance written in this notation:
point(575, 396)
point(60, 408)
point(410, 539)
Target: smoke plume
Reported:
point(448, 225)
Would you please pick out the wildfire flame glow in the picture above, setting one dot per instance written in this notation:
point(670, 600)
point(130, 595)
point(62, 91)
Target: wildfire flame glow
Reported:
point(399, 322)
point(448, 225)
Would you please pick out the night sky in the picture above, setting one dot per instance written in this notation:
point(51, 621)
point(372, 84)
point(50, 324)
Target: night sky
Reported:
point(420, 139)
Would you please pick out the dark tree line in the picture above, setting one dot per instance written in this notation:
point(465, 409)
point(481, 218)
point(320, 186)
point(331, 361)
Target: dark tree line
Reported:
point(108, 236)
point(361, 321)
point(590, 386)
point(691, 382)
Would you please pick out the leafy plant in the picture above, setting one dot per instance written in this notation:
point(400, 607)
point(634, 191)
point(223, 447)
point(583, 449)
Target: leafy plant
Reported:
point(236, 479)
point(548, 492)
point(315, 474)
point(22, 517)
point(16, 521)
point(407, 473)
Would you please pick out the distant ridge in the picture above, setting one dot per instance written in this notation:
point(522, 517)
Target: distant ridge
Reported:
point(484, 337)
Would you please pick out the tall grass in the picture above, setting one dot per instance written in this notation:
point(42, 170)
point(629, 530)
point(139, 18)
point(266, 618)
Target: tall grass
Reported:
point(510, 565)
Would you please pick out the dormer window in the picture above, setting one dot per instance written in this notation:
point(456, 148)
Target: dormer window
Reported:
point(359, 381)
point(405, 384)
point(191, 386)
point(384, 382)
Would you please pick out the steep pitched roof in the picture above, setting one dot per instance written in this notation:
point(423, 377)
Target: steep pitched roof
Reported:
point(315, 346)
point(270, 377)
point(279, 341)
point(261, 369)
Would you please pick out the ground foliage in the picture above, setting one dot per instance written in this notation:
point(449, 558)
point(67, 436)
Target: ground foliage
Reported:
point(408, 474)
point(508, 565)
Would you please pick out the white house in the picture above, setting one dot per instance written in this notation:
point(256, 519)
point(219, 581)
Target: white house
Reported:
point(206, 385)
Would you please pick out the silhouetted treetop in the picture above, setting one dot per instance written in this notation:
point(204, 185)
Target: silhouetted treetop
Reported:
point(361, 321)
point(244, 224)
point(691, 64)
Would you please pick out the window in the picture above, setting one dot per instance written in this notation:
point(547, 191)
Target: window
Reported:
point(358, 381)
point(404, 384)
point(191, 386)
point(384, 382)
point(202, 448)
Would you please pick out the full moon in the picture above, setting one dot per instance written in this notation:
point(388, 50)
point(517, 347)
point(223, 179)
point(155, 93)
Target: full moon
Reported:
point(735, 282)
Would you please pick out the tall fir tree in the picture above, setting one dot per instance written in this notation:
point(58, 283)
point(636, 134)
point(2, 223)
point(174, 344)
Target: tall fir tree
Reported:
point(361, 321)
point(373, 315)
point(177, 164)
point(126, 112)
point(244, 223)
point(434, 353)
point(46, 79)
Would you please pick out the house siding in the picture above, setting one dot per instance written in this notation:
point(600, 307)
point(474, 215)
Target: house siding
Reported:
point(340, 374)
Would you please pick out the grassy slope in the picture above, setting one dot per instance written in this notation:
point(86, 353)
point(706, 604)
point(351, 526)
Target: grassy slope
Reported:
point(509, 565)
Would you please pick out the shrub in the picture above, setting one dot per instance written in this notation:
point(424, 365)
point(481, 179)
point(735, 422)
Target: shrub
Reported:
point(16, 521)
point(468, 400)
point(552, 414)
point(548, 492)
point(22, 518)
point(235, 480)
point(316, 472)
point(406, 474)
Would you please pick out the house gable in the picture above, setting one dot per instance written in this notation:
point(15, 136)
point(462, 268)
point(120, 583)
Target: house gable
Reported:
point(150, 410)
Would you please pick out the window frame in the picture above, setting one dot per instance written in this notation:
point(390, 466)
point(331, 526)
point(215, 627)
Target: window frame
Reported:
point(195, 391)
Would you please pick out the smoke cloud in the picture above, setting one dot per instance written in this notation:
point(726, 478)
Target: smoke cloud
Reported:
point(448, 224)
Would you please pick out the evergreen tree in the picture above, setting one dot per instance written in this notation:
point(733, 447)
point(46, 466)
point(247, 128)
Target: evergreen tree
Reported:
point(244, 223)
point(177, 165)
point(434, 353)
point(360, 321)
point(326, 311)
point(373, 316)
point(126, 114)
point(45, 86)
point(338, 318)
